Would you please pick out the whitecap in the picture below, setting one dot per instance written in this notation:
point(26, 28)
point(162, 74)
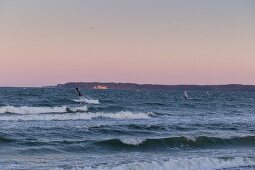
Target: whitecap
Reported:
point(86, 100)
point(38, 110)
point(132, 141)
point(199, 163)
point(77, 116)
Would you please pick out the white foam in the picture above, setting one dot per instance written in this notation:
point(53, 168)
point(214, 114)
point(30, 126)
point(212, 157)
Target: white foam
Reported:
point(78, 109)
point(38, 110)
point(86, 100)
point(77, 116)
point(127, 115)
point(132, 141)
point(200, 163)
point(32, 110)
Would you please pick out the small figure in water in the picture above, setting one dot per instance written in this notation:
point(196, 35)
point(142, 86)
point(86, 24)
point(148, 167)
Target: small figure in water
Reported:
point(186, 95)
point(80, 93)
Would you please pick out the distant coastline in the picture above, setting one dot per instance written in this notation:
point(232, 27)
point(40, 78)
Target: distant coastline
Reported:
point(134, 86)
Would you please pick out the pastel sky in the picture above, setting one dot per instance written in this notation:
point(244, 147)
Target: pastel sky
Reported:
point(45, 42)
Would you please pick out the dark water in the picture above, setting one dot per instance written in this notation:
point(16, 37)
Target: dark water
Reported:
point(55, 129)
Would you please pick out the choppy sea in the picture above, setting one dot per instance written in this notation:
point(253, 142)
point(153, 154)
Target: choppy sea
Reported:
point(54, 128)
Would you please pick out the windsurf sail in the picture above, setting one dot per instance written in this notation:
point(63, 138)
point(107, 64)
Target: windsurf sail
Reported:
point(186, 95)
point(80, 93)
point(85, 99)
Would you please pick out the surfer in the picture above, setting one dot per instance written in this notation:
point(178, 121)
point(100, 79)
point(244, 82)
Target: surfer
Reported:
point(80, 93)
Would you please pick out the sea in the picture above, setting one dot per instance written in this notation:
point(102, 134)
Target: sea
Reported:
point(54, 128)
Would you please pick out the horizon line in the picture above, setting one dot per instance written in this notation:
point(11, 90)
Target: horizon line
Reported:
point(45, 86)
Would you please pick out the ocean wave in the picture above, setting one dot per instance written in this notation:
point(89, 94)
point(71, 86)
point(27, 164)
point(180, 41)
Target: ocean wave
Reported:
point(111, 108)
point(177, 142)
point(132, 141)
point(5, 139)
point(38, 110)
point(77, 109)
point(187, 163)
point(147, 127)
point(78, 116)
point(86, 100)
point(142, 144)
point(154, 104)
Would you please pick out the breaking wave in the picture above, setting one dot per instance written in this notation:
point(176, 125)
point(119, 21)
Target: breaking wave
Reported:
point(38, 110)
point(177, 142)
point(132, 141)
point(78, 116)
point(143, 144)
point(187, 163)
point(86, 100)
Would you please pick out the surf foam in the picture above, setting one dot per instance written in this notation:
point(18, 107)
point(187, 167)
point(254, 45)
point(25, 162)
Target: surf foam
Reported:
point(77, 116)
point(199, 163)
point(86, 100)
point(38, 110)
point(132, 141)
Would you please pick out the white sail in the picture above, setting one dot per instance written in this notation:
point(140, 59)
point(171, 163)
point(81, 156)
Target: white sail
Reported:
point(186, 95)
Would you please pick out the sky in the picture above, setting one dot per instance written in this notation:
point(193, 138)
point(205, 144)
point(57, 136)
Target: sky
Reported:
point(46, 42)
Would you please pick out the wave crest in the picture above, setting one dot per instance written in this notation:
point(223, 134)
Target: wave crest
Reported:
point(38, 110)
point(186, 163)
point(77, 116)
point(179, 142)
point(86, 100)
point(132, 141)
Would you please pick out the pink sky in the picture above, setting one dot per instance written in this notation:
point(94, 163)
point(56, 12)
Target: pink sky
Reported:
point(46, 44)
